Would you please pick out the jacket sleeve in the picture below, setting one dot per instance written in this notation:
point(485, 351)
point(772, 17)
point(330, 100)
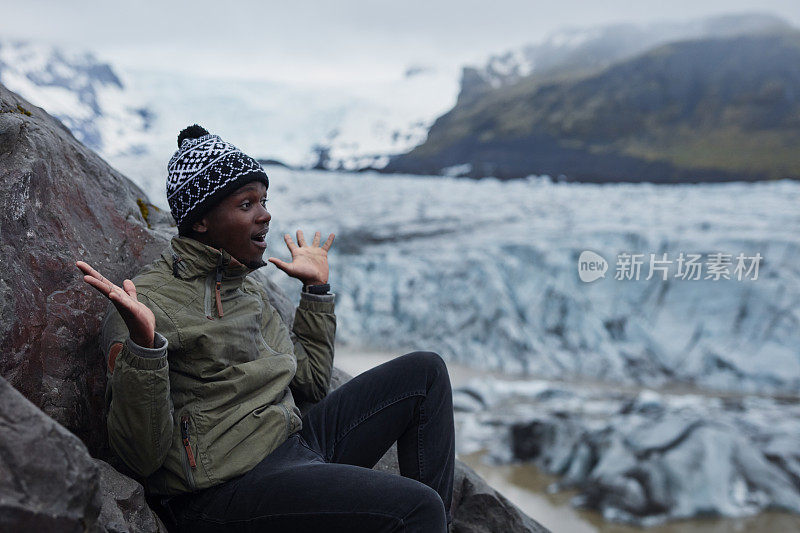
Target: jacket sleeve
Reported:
point(313, 333)
point(140, 411)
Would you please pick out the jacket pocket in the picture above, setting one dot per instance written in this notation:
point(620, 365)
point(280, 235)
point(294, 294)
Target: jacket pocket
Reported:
point(187, 457)
point(265, 344)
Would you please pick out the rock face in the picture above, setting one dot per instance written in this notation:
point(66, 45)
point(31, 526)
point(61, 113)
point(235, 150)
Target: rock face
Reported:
point(49, 481)
point(478, 508)
point(34, 448)
point(122, 502)
point(62, 203)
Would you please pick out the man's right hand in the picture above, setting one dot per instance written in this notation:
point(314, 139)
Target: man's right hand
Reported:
point(138, 317)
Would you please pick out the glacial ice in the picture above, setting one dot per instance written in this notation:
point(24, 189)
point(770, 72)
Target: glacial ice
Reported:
point(640, 457)
point(486, 273)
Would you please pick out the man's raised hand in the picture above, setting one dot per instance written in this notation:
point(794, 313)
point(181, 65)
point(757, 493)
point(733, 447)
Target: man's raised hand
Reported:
point(138, 317)
point(309, 262)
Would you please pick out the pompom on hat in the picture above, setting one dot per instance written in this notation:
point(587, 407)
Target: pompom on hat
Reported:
point(203, 171)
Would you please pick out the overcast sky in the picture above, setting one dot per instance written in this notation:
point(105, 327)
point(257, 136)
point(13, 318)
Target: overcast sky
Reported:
point(329, 39)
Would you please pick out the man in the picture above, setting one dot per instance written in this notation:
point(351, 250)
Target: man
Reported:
point(203, 376)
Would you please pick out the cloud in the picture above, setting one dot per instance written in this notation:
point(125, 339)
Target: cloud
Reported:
point(329, 40)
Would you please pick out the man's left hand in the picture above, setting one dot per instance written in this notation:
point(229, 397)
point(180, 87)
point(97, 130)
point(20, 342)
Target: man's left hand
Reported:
point(309, 262)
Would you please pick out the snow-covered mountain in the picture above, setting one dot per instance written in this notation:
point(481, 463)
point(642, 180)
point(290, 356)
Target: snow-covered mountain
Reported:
point(81, 91)
point(132, 117)
point(356, 125)
point(579, 51)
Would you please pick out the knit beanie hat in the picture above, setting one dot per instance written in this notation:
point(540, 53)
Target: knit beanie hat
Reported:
point(203, 171)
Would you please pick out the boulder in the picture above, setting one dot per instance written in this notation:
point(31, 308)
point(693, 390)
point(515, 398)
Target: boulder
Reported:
point(123, 505)
point(61, 202)
point(49, 482)
point(478, 508)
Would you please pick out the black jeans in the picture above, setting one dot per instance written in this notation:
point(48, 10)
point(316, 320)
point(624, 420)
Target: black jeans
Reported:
point(321, 478)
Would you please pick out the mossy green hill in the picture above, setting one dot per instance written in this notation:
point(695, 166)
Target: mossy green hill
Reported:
point(701, 110)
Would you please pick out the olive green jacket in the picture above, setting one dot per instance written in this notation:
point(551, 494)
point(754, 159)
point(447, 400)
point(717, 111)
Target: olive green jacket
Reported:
point(214, 395)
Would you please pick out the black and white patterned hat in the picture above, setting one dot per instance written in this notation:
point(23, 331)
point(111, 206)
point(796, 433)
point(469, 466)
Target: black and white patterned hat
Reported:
point(203, 171)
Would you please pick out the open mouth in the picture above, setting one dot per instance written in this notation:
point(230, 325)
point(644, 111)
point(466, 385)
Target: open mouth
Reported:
point(259, 239)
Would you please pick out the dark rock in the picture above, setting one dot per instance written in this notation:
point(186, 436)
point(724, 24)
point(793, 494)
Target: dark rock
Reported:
point(61, 203)
point(123, 507)
point(48, 481)
point(478, 508)
point(553, 442)
point(473, 85)
point(273, 162)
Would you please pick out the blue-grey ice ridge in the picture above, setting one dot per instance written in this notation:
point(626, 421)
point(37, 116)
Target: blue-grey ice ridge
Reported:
point(640, 457)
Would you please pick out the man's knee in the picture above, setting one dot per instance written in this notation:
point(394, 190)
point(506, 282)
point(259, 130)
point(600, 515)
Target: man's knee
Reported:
point(427, 512)
point(427, 360)
point(434, 366)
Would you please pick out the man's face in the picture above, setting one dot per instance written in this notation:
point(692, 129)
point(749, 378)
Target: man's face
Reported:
point(239, 224)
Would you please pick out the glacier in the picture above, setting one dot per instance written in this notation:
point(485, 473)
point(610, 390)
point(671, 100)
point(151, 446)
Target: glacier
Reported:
point(656, 400)
point(640, 456)
point(358, 124)
point(485, 272)
point(131, 117)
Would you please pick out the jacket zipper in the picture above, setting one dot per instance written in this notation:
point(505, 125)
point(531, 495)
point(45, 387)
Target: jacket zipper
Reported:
point(217, 288)
point(207, 305)
point(188, 460)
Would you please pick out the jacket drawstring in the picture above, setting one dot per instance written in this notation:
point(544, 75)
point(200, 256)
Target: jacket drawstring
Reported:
point(218, 286)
